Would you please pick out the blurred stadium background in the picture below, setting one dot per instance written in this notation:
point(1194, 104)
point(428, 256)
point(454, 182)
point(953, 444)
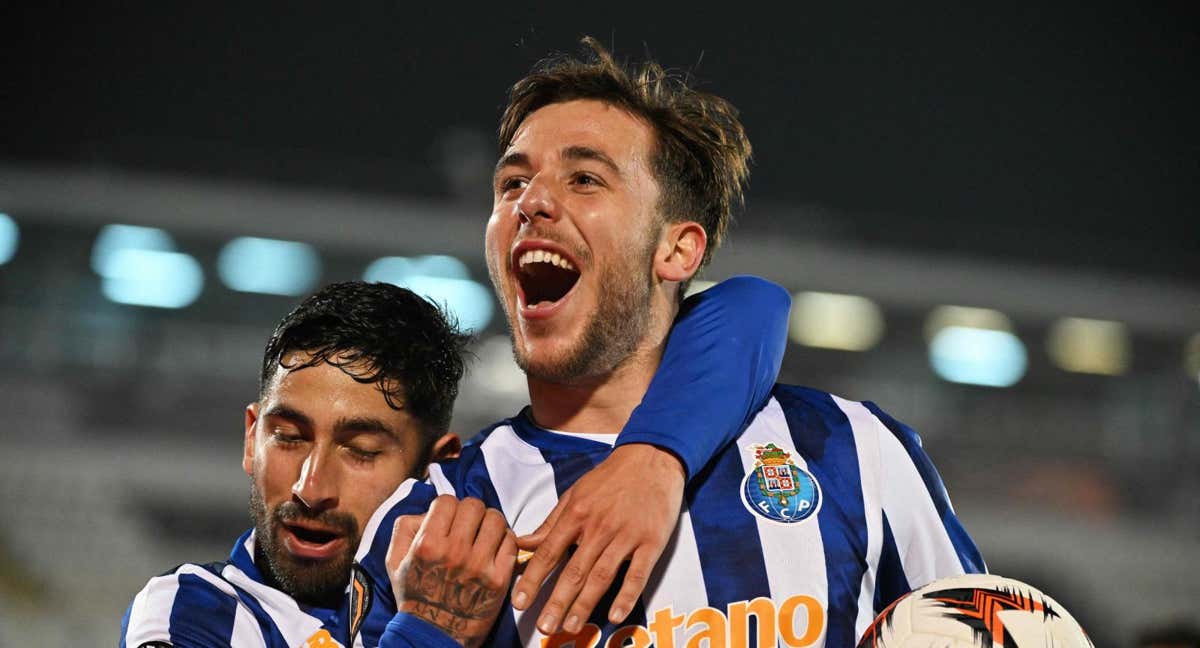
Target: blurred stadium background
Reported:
point(988, 218)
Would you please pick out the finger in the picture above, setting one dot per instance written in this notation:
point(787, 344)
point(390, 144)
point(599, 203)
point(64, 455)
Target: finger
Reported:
point(534, 540)
point(598, 580)
point(440, 517)
point(570, 581)
point(492, 529)
point(404, 531)
point(550, 552)
point(506, 560)
point(464, 529)
point(636, 578)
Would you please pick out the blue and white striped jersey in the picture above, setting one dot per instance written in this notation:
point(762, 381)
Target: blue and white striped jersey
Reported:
point(228, 604)
point(798, 533)
point(717, 367)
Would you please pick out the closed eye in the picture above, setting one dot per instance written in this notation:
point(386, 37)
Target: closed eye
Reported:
point(286, 437)
point(362, 455)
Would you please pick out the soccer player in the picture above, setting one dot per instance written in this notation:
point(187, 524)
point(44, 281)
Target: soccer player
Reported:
point(611, 191)
point(356, 392)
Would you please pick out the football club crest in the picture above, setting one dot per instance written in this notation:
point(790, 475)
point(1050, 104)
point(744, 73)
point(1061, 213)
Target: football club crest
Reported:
point(777, 489)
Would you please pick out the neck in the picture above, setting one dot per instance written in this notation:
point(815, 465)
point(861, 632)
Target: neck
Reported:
point(601, 404)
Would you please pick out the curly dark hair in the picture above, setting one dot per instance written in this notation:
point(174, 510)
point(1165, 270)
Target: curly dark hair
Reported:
point(701, 157)
point(377, 333)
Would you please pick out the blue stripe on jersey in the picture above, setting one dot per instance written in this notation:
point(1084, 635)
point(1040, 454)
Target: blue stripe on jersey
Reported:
point(470, 478)
point(468, 474)
point(201, 615)
point(826, 441)
point(968, 554)
point(383, 604)
point(571, 458)
point(726, 533)
point(890, 583)
point(125, 626)
point(266, 623)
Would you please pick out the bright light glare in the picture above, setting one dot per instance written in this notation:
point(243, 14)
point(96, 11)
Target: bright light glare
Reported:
point(469, 301)
point(10, 236)
point(269, 266)
point(114, 238)
point(978, 356)
point(965, 316)
point(152, 278)
point(835, 321)
point(1089, 346)
point(1191, 357)
point(395, 269)
point(443, 279)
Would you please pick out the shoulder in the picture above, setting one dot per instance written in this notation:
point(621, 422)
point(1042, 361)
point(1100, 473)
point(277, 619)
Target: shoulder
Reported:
point(812, 408)
point(191, 599)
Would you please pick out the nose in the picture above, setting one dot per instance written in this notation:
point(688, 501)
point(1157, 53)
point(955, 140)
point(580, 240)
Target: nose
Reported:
point(537, 201)
point(316, 486)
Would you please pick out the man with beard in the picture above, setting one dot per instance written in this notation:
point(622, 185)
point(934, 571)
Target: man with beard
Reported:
point(355, 398)
point(611, 191)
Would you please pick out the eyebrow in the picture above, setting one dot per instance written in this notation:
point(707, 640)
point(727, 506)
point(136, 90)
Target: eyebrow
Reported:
point(589, 153)
point(344, 426)
point(363, 425)
point(290, 414)
point(516, 158)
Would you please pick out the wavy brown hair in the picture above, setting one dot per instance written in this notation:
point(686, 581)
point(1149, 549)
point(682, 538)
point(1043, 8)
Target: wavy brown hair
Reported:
point(701, 151)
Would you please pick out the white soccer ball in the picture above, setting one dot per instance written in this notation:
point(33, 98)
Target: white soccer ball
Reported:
point(975, 611)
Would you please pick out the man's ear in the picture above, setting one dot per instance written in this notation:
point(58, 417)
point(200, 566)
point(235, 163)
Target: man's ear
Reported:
point(248, 444)
point(448, 446)
point(680, 252)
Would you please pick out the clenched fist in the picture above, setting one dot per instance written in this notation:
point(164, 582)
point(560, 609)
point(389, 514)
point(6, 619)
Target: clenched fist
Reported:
point(452, 566)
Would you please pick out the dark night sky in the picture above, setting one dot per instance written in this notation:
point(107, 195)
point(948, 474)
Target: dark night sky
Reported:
point(1065, 123)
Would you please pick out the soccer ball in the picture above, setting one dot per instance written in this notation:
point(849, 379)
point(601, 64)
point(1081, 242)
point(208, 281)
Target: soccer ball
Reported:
point(975, 611)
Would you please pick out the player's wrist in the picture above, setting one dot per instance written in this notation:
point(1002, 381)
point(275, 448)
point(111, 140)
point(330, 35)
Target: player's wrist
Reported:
point(653, 457)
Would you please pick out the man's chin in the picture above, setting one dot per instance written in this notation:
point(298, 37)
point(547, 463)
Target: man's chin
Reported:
point(312, 582)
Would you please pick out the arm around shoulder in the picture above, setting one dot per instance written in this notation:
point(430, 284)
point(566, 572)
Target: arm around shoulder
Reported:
point(720, 364)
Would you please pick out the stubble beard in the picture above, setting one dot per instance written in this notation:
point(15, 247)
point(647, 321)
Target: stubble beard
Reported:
point(613, 333)
point(320, 583)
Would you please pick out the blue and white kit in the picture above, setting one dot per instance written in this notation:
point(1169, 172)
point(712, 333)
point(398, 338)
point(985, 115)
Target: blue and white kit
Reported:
point(716, 372)
point(821, 513)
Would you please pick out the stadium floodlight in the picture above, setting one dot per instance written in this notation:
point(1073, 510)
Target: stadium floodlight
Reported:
point(268, 266)
point(444, 280)
point(10, 236)
point(835, 321)
point(1191, 357)
point(977, 356)
point(152, 278)
point(114, 238)
point(966, 316)
point(1089, 346)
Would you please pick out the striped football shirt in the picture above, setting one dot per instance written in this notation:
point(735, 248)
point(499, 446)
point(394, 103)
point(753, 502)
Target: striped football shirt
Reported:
point(797, 533)
point(228, 603)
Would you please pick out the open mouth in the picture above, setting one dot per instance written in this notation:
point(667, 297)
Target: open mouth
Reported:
point(318, 544)
point(545, 277)
point(313, 536)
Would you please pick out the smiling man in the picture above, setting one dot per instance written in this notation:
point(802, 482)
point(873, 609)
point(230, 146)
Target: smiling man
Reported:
point(611, 192)
point(356, 391)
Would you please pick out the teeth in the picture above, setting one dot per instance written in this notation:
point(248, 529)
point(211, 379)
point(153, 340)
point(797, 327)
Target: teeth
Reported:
point(543, 256)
